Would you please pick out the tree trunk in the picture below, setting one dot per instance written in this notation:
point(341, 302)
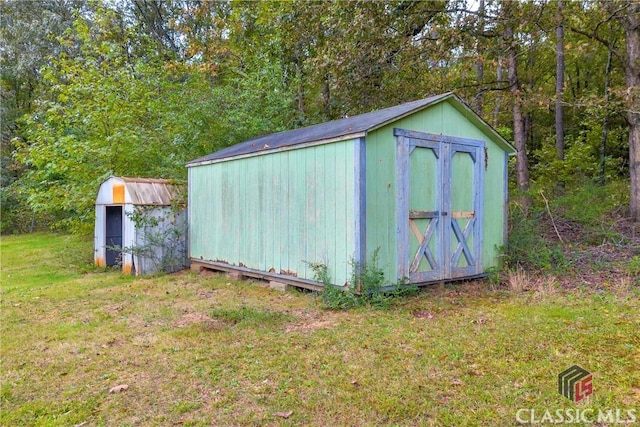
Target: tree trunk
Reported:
point(605, 121)
point(519, 133)
point(560, 84)
point(496, 109)
point(300, 75)
point(631, 24)
point(326, 97)
point(630, 20)
point(480, 62)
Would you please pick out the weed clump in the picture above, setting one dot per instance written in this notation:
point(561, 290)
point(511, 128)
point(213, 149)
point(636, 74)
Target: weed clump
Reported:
point(367, 286)
point(528, 248)
point(248, 316)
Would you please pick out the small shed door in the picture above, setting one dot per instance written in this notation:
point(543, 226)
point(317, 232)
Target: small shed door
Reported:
point(440, 181)
point(113, 234)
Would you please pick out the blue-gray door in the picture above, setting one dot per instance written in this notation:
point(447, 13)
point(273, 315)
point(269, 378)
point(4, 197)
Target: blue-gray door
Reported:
point(440, 181)
point(113, 234)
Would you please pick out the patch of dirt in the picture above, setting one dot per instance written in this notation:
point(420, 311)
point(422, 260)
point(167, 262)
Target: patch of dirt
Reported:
point(205, 294)
point(113, 342)
point(310, 326)
point(595, 258)
point(423, 314)
point(311, 320)
point(179, 272)
point(194, 318)
point(208, 273)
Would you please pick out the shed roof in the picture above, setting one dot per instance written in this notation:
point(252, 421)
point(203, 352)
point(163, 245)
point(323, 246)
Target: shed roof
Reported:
point(350, 127)
point(140, 191)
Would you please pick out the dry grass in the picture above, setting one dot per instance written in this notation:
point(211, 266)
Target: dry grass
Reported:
point(518, 280)
point(206, 350)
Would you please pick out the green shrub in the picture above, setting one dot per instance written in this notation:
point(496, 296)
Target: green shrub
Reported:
point(591, 205)
point(584, 215)
point(367, 286)
point(526, 246)
point(633, 268)
point(333, 297)
point(339, 298)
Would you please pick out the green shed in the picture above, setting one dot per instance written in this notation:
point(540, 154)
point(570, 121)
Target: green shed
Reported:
point(424, 183)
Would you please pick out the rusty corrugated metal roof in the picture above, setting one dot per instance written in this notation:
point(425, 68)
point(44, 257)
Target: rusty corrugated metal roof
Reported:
point(150, 191)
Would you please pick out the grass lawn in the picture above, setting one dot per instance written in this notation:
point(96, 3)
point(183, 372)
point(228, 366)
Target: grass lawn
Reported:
point(206, 350)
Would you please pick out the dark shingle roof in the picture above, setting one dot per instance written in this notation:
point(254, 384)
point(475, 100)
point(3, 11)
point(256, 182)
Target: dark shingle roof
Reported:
point(323, 131)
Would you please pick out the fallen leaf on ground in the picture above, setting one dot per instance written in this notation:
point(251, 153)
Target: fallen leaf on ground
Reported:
point(423, 314)
point(119, 388)
point(284, 415)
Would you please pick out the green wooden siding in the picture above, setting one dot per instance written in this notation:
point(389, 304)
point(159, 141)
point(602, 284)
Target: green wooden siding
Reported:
point(380, 203)
point(275, 211)
point(442, 118)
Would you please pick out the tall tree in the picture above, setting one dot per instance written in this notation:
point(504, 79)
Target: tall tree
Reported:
point(627, 13)
point(480, 62)
point(159, 81)
point(631, 24)
point(498, 99)
point(515, 87)
point(559, 110)
point(29, 32)
point(605, 119)
point(107, 111)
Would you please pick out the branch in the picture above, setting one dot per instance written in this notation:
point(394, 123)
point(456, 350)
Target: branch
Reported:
point(613, 15)
point(546, 202)
point(596, 37)
point(473, 12)
point(500, 85)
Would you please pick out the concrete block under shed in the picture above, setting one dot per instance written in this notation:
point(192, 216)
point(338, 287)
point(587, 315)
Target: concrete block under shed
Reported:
point(278, 286)
point(235, 275)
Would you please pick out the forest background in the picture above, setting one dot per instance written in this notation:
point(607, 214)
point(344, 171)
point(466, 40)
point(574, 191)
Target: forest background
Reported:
point(137, 88)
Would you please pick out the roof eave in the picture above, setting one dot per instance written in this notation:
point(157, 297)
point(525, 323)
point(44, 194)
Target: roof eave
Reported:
point(278, 149)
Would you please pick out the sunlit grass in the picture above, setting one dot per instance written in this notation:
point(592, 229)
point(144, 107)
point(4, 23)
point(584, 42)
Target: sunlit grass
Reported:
point(206, 350)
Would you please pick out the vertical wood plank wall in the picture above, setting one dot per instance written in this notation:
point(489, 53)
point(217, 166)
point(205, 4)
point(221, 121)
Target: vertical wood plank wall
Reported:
point(442, 118)
point(275, 211)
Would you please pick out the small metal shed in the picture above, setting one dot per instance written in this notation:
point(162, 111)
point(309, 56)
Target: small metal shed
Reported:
point(132, 216)
point(424, 183)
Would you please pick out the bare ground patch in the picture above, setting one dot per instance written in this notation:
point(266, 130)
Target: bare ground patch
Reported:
point(195, 318)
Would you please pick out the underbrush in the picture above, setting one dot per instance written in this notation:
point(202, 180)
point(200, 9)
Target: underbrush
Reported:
point(367, 286)
point(580, 234)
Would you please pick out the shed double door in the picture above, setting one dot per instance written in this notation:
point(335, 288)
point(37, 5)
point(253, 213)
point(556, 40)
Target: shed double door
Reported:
point(439, 210)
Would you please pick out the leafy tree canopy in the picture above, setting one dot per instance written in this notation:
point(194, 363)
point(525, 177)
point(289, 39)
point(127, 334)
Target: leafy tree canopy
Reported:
point(138, 88)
